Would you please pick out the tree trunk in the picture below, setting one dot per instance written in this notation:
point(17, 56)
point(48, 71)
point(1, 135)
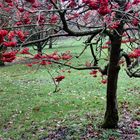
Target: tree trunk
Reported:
point(111, 115)
point(39, 48)
point(50, 43)
point(1, 63)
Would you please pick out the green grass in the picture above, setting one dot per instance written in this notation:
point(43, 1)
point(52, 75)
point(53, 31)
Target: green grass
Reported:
point(29, 109)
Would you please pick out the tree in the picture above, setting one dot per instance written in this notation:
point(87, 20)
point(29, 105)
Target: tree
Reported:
point(98, 21)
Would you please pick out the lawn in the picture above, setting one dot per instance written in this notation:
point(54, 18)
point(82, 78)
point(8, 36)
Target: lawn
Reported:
point(30, 110)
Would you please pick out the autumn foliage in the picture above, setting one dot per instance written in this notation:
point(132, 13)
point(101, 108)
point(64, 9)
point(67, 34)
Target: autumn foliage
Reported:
point(103, 8)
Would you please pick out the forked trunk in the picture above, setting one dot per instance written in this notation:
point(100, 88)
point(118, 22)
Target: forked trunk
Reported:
point(111, 115)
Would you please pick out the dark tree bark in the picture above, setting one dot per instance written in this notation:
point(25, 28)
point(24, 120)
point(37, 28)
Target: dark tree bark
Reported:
point(111, 114)
point(39, 44)
point(1, 62)
point(50, 43)
point(39, 48)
